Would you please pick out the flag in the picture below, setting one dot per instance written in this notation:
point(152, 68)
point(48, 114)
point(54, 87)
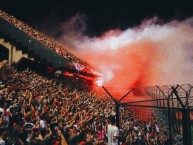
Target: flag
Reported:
point(59, 72)
point(78, 66)
point(95, 72)
point(50, 69)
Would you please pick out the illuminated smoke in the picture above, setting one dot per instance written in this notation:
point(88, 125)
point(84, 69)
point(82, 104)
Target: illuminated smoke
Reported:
point(99, 82)
point(149, 54)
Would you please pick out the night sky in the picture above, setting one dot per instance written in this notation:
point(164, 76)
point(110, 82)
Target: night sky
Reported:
point(100, 15)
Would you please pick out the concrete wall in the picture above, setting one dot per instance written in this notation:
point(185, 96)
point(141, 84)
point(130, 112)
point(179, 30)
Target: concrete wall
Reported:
point(14, 54)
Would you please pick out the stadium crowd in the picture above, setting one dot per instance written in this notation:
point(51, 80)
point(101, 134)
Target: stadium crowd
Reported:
point(42, 38)
point(37, 110)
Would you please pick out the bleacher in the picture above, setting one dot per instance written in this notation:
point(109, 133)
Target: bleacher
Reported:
point(36, 44)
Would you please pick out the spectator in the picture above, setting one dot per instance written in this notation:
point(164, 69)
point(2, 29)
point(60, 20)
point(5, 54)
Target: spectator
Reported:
point(101, 135)
point(113, 132)
point(2, 142)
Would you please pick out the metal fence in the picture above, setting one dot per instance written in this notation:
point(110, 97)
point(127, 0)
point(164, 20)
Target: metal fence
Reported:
point(172, 106)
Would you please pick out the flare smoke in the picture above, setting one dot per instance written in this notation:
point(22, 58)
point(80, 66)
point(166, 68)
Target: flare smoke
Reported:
point(148, 54)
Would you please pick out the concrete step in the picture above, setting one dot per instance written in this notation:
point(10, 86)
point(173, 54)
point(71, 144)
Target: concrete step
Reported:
point(17, 53)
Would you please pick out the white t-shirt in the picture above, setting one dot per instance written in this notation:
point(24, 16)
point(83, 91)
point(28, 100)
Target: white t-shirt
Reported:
point(42, 124)
point(111, 132)
point(2, 142)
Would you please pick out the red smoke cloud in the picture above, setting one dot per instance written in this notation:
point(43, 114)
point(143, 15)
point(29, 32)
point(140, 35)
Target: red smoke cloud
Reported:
point(125, 67)
point(150, 54)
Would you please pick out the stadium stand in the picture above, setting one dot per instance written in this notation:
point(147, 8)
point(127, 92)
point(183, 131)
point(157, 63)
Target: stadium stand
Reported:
point(32, 105)
point(36, 42)
point(35, 109)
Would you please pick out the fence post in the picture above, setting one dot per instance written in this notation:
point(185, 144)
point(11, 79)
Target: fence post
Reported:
point(185, 120)
point(169, 121)
point(117, 105)
point(186, 129)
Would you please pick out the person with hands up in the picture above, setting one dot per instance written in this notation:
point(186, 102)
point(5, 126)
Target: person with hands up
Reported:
point(63, 140)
